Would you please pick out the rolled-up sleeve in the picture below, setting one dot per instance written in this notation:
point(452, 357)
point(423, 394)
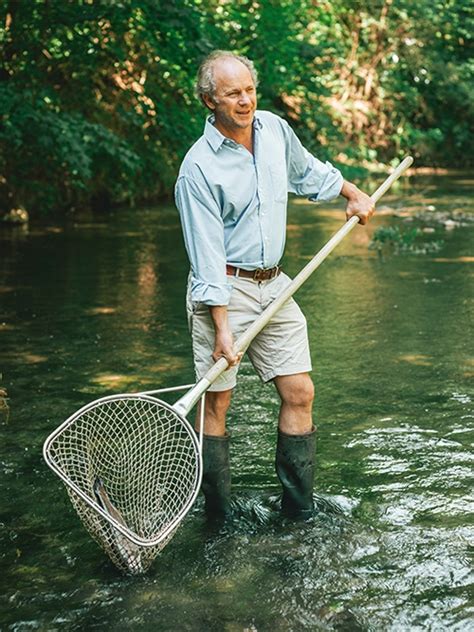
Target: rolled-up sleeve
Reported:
point(307, 175)
point(203, 231)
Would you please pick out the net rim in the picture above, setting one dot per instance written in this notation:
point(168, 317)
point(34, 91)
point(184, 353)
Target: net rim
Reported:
point(128, 533)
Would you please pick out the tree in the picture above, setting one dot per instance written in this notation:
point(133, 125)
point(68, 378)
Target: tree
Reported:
point(97, 104)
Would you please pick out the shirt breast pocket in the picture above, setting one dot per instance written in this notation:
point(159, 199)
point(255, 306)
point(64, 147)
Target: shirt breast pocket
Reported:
point(279, 181)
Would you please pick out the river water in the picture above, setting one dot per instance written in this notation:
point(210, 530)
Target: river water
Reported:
point(95, 308)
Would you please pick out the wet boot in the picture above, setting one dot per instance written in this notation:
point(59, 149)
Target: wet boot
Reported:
point(216, 475)
point(295, 462)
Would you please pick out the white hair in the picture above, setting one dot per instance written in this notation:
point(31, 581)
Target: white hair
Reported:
point(205, 83)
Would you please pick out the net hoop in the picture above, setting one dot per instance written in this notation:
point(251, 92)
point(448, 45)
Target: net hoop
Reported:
point(57, 434)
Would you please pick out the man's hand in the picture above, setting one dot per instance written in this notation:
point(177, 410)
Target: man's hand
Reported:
point(223, 348)
point(358, 203)
point(224, 342)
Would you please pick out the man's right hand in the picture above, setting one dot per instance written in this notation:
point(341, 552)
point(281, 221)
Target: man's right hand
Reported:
point(224, 341)
point(223, 348)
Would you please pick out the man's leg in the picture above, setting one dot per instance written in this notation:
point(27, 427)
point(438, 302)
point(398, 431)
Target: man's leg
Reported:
point(216, 464)
point(296, 445)
point(217, 405)
point(297, 395)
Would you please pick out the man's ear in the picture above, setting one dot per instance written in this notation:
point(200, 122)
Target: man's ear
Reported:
point(208, 102)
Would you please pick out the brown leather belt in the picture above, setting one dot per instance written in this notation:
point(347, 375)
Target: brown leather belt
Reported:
point(260, 274)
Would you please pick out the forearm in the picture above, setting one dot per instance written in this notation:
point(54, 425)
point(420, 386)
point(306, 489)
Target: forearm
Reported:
point(349, 190)
point(224, 342)
point(219, 318)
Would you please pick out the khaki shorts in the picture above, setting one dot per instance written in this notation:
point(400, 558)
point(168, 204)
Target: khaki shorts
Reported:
point(281, 348)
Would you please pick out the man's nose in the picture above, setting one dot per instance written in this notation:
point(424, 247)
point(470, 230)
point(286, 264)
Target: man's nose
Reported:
point(244, 98)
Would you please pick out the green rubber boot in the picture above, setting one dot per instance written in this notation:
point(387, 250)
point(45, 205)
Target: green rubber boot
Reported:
point(216, 475)
point(294, 463)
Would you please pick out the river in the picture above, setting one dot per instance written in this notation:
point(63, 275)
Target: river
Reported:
point(95, 307)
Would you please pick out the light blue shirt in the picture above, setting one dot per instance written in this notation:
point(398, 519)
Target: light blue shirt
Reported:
point(233, 205)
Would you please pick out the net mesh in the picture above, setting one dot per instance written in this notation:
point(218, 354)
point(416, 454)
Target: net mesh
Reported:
point(137, 459)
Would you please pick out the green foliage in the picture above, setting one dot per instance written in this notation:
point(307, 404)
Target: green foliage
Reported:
point(97, 105)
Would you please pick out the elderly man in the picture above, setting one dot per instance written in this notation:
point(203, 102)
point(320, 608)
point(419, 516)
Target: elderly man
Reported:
point(232, 194)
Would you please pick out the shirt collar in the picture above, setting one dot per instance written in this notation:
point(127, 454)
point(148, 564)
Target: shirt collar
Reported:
point(214, 136)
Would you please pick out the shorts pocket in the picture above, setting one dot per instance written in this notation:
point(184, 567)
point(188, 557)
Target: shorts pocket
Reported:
point(195, 307)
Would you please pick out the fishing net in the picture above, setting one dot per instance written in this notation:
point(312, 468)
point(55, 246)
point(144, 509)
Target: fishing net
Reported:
point(132, 468)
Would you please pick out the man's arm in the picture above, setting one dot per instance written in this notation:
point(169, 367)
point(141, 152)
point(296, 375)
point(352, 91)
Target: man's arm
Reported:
point(307, 175)
point(203, 232)
point(321, 181)
point(204, 240)
point(358, 202)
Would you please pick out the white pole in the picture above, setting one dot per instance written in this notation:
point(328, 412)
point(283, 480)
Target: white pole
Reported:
point(185, 403)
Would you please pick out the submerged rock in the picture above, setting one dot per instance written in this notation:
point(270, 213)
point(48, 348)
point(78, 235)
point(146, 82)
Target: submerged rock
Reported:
point(450, 224)
point(4, 407)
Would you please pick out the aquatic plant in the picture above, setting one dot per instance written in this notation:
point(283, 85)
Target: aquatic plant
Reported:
point(398, 241)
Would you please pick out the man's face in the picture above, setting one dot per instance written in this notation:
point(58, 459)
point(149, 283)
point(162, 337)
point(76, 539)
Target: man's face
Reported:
point(235, 99)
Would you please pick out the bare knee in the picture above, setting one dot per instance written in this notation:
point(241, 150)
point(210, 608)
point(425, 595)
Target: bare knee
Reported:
point(296, 391)
point(301, 396)
point(217, 403)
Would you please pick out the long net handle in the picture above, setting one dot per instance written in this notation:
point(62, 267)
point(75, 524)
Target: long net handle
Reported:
point(185, 404)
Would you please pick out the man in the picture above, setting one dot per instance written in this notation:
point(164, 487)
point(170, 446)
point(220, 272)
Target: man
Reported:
point(232, 193)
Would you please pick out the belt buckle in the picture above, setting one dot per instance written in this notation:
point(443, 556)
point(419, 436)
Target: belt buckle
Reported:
point(258, 274)
point(265, 274)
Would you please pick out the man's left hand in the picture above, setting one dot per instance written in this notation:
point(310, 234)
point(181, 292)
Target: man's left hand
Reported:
point(358, 203)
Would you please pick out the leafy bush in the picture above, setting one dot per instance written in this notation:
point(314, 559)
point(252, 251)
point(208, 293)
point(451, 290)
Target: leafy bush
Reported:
point(97, 105)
